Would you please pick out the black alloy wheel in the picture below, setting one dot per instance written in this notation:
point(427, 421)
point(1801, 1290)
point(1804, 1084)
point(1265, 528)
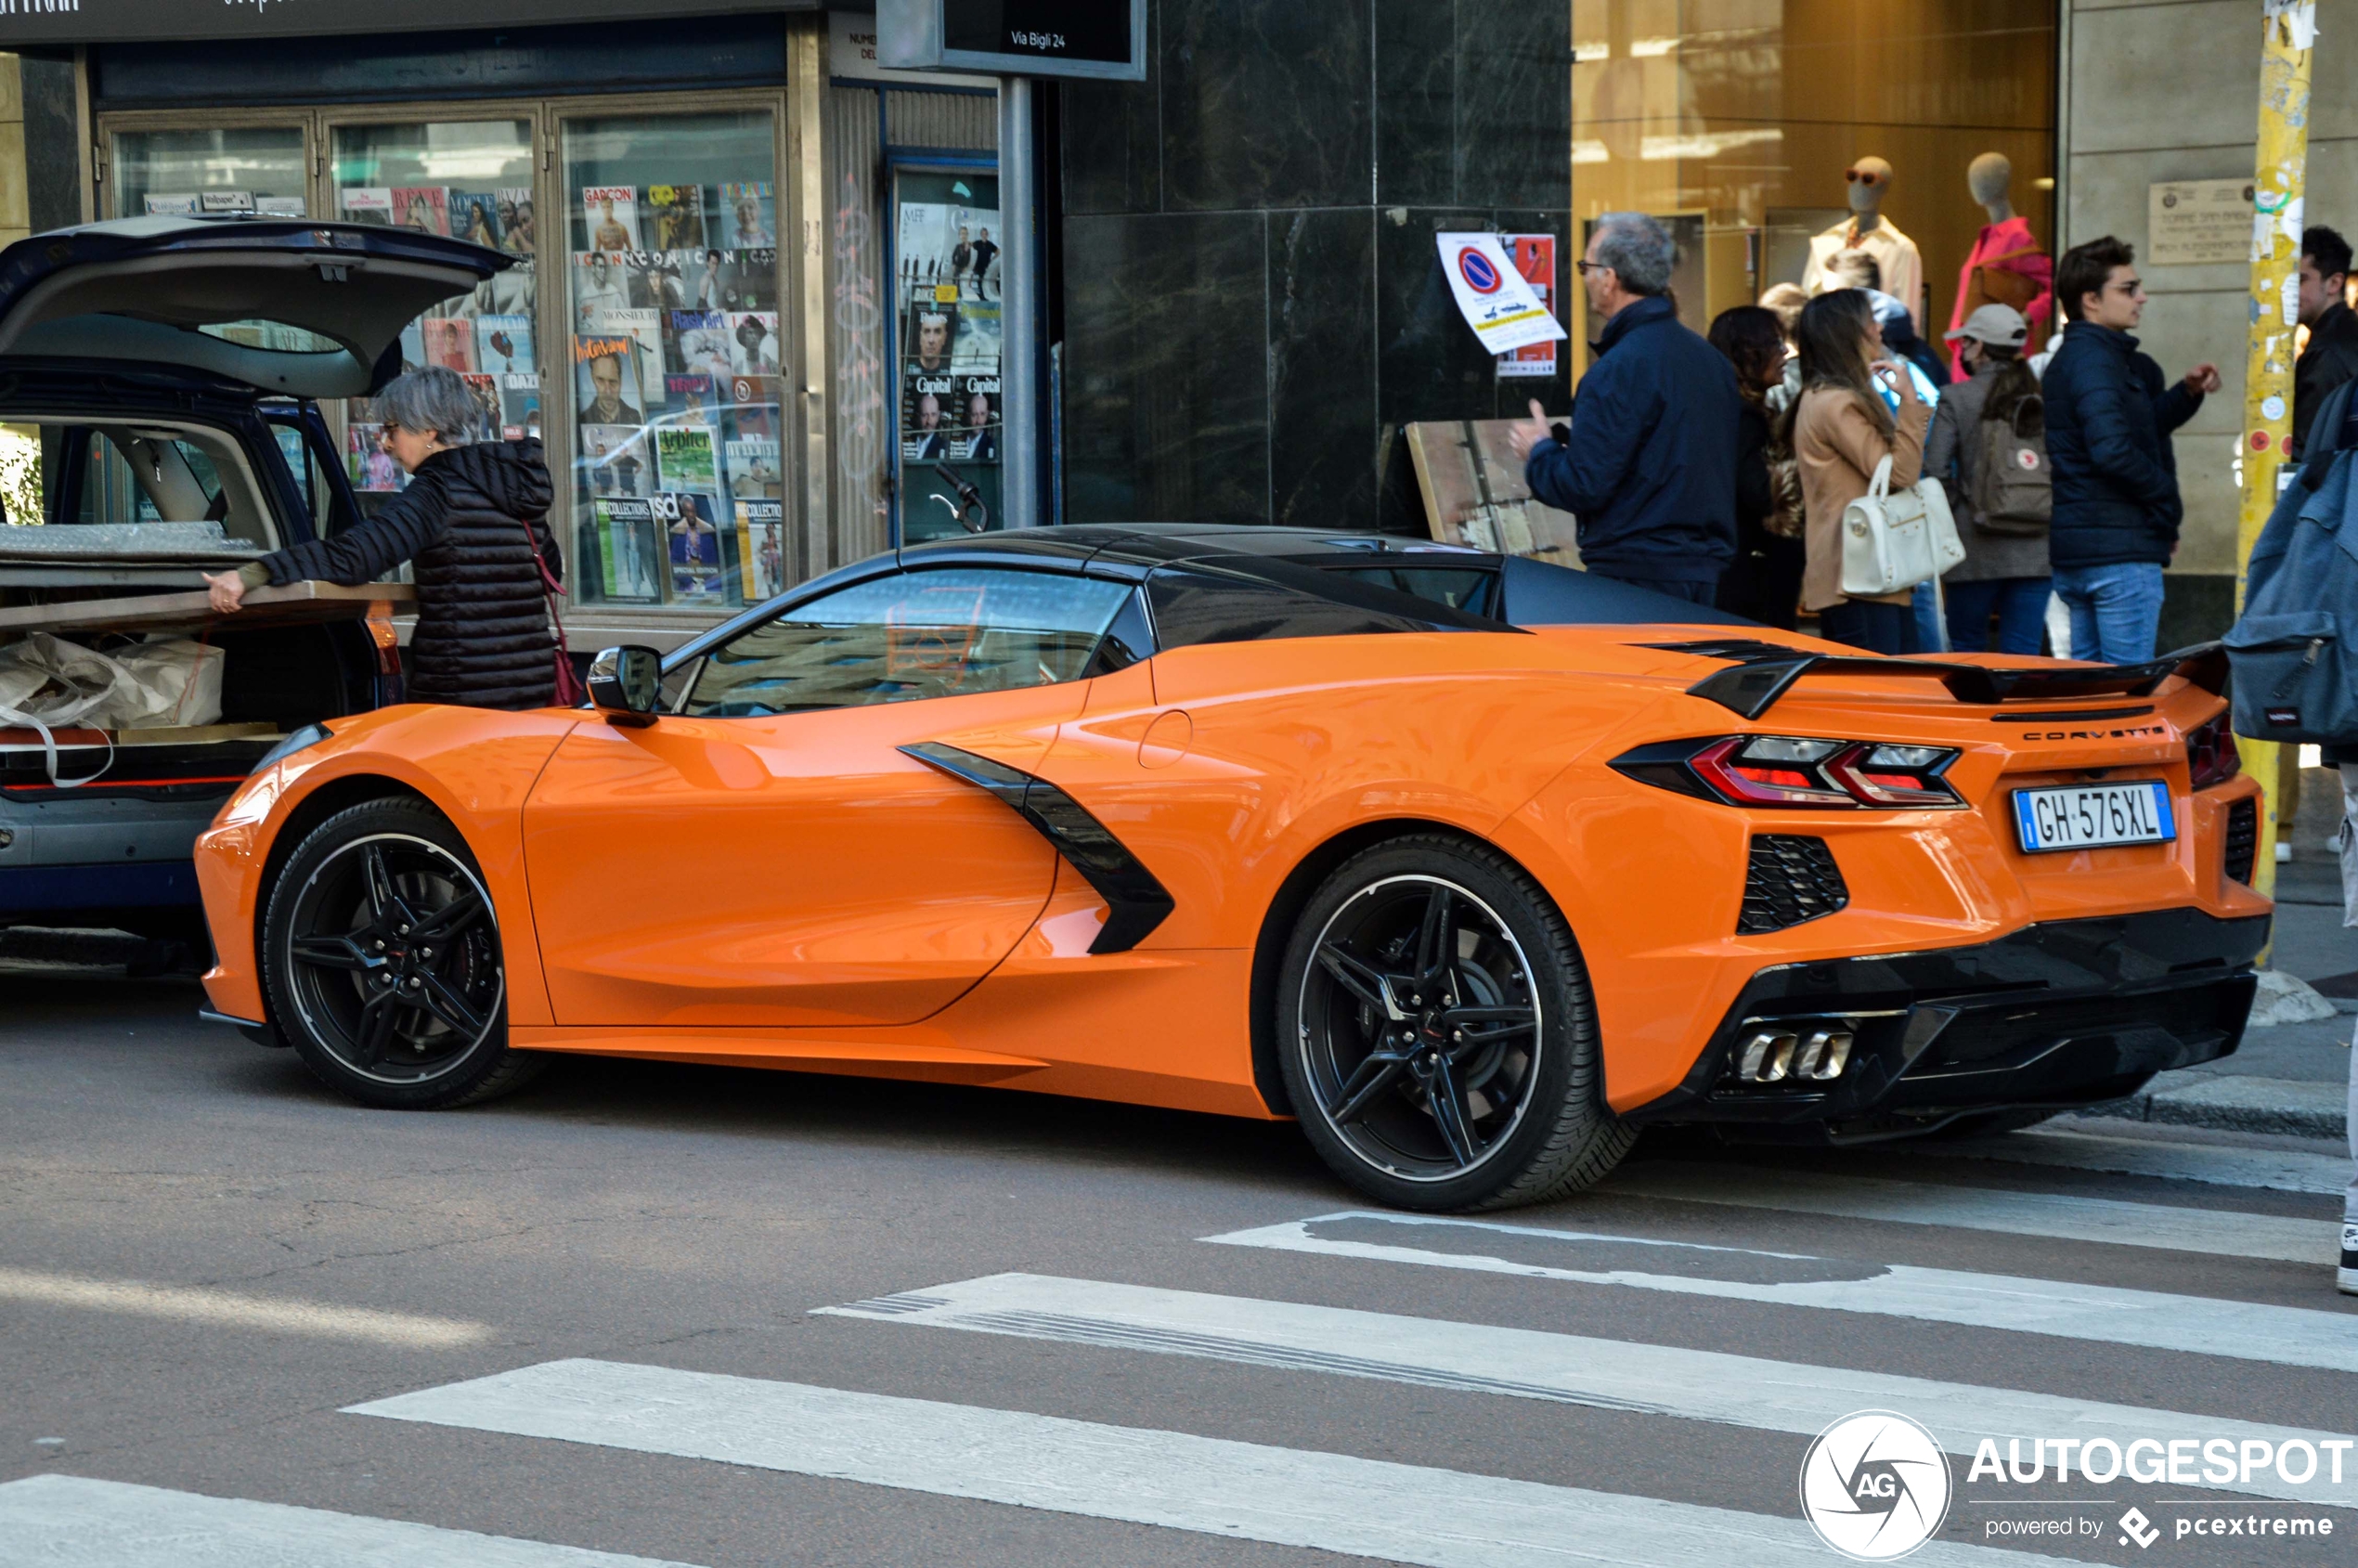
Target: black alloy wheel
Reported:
point(1437, 1035)
point(382, 961)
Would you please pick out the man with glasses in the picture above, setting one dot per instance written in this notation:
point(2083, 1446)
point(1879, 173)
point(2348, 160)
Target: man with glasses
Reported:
point(2109, 418)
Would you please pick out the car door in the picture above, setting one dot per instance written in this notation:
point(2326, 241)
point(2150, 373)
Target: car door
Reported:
point(767, 855)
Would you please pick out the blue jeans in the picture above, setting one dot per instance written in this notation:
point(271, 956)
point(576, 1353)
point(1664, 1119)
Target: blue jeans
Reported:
point(2020, 605)
point(2115, 610)
point(1862, 623)
point(1923, 622)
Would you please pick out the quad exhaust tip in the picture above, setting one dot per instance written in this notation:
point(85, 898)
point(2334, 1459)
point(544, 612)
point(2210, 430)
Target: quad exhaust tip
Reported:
point(1775, 1055)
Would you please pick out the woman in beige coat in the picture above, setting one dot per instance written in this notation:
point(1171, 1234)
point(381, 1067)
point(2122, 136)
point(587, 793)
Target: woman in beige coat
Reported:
point(1842, 430)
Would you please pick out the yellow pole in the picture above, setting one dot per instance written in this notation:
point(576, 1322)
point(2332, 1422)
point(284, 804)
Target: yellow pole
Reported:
point(2279, 177)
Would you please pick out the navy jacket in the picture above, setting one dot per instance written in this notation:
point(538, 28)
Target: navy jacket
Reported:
point(1651, 467)
point(2109, 415)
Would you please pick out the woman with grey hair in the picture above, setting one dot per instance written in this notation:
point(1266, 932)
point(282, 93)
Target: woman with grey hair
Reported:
point(473, 522)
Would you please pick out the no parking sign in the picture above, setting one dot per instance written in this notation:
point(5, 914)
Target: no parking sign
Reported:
point(1497, 303)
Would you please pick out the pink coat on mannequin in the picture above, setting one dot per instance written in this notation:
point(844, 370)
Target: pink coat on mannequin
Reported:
point(2010, 247)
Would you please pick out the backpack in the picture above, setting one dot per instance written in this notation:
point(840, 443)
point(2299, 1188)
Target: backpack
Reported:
point(2014, 488)
point(2296, 676)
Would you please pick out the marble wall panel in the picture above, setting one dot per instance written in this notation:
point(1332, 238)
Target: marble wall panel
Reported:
point(1266, 103)
point(1416, 77)
point(1112, 138)
point(2156, 76)
point(1512, 141)
point(1322, 368)
point(1167, 401)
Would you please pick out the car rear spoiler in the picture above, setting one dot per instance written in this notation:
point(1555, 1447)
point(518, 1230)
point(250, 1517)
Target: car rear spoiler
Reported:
point(1763, 672)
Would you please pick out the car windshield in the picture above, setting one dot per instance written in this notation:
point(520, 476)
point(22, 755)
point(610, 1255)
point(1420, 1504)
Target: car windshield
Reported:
point(913, 635)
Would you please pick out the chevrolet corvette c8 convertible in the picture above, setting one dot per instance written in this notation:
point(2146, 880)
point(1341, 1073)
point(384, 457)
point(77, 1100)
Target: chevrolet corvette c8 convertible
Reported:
point(1472, 865)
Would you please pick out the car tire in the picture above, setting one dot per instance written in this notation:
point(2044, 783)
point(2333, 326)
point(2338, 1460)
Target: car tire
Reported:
point(1485, 1094)
point(382, 965)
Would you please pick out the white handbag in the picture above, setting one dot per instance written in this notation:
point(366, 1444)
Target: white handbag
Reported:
point(1891, 542)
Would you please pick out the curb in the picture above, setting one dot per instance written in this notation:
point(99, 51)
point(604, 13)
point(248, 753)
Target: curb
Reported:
point(2239, 1104)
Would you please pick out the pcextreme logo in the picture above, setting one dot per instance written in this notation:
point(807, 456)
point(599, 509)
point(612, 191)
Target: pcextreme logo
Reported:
point(1874, 1485)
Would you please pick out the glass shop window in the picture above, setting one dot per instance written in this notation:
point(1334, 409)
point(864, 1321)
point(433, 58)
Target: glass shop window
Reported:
point(258, 171)
point(672, 301)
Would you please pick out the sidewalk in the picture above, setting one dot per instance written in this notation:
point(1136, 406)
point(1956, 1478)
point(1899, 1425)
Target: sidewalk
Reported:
point(2287, 1078)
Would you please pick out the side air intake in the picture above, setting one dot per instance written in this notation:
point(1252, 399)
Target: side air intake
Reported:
point(1791, 877)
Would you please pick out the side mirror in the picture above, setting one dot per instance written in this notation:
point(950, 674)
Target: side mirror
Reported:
point(625, 684)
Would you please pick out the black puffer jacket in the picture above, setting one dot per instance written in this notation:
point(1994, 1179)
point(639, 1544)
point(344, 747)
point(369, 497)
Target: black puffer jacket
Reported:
point(483, 637)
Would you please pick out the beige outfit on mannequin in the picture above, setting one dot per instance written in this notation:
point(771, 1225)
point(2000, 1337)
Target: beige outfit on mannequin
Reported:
point(1894, 254)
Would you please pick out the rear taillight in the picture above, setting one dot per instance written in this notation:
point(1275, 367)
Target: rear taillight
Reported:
point(1792, 771)
point(2211, 756)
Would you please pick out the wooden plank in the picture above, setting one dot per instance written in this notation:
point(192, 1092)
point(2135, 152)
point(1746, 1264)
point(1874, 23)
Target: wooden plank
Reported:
point(290, 605)
point(1475, 495)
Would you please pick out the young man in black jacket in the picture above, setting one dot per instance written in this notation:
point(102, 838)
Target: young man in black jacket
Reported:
point(2109, 418)
point(1649, 469)
point(2331, 358)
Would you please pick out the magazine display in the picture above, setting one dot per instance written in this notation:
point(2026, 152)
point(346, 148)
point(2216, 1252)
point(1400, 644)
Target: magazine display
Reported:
point(224, 202)
point(280, 207)
point(371, 466)
point(450, 345)
point(622, 540)
point(513, 206)
point(946, 318)
point(369, 204)
point(762, 547)
point(177, 205)
point(678, 360)
point(474, 216)
point(486, 390)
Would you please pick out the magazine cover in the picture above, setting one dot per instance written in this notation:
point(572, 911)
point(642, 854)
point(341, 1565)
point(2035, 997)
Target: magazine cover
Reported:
point(753, 343)
point(762, 547)
point(610, 217)
point(748, 217)
point(474, 216)
point(512, 206)
point(929, 415)
point(690, 396)
point(756, 391)
point(749, 280)
point(370, 464)
point(618, 459)
point(753, 468)
point(598, 285)
point(977, 438)
point(606, 379)
point(629, 554)
point(974, 346)
point(702, 338)
point(652, 278)
point(921, 251)
point(365, 203)
point(691, 524)
point(224, 201)
point(503, 345)
point(975, 231)
point(450, 345)
point(280, 207)
point(643, 328)
point(487, 394)
point(675, 217)
point(171, 206)
point(683, 457)
point(422, 207)
point(926, 332)
point(519, 407)
point(704, 279)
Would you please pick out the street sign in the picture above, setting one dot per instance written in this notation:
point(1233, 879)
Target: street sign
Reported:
point(1101, 40)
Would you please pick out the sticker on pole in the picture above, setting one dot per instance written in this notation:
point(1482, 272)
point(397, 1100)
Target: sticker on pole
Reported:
point(1502, 308)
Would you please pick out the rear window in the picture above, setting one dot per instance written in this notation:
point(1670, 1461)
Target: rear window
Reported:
point(193, 486)
point(279, 337)
point(1472, 590)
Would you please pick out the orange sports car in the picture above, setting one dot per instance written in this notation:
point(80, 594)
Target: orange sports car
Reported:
point(1472, 865)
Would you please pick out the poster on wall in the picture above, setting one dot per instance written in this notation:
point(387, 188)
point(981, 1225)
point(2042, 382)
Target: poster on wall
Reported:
point(2199, 223)
point(1496, 303)
point(1535, 259)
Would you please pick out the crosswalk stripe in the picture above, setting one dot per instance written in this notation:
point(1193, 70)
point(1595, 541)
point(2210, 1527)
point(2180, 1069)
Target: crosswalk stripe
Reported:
point(2063, 1216)
point(231, 1309)
point(1615, 1374)
point(1247, 1491)
point(73, 1522)
point(2287, 1335)
point(2275, 1170)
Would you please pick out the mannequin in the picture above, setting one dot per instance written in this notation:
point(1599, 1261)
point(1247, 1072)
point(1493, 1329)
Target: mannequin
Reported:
point(2006, 267)
point(1894, 254)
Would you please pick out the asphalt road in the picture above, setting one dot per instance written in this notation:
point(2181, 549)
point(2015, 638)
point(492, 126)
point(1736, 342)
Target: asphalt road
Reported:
point(207, 1261)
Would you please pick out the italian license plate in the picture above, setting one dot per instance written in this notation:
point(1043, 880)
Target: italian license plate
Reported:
point(2091, 816)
